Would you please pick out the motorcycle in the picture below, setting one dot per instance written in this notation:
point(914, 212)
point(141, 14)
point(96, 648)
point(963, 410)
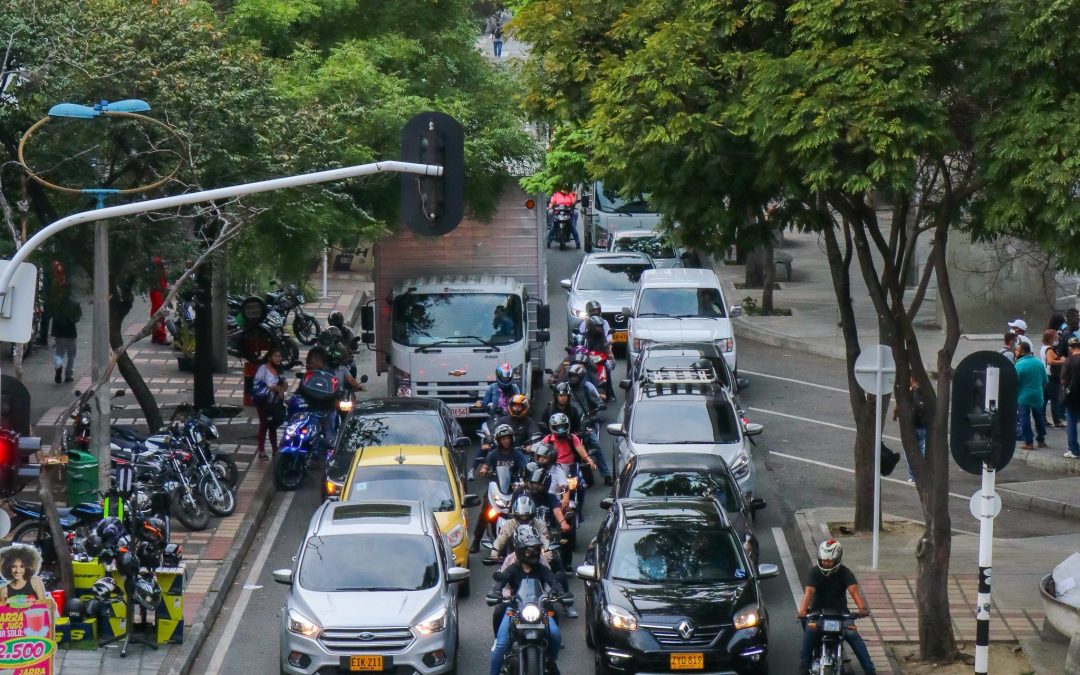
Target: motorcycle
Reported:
point(562, 216)
point(500, 495)
point(310, 428)
point(827, 657)
point(289, 299)
point(251, 342)
point(529, 611)
point(186, 502)
point(210, 481)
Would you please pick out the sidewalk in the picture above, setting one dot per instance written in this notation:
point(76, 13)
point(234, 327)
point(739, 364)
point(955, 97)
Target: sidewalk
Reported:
point(212, 557)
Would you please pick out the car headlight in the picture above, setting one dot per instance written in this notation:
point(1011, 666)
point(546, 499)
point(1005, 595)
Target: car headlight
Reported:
point(402, 381)
point(740, 466)
point(641, 343)
point(432, 624)
point(531, 613)
point(301, 625)
point(455, 536)
point(747, 618)
point(619, 619)
point(726, 345)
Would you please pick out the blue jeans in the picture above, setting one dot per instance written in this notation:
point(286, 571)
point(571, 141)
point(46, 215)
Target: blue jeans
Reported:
point(1071, 419)
point(1053, 396)
point(1026, 413)
point(498, 45)
point(851, 636)
point(502, 643)
point(573, 228)
point(920, 433)
point(592, 444)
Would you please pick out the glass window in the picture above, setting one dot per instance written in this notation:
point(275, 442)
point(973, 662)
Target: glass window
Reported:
point(654, 247)
point(457, 319)
point(610, 199)
point(685, 484)
point(430, 484)
point(406, 562)
point(684, 554)
point(610, 276)
point(681, 302)
point(405, 429)
point(684, 422)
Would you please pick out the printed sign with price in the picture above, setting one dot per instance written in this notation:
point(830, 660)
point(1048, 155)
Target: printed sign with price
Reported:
point(26, 638)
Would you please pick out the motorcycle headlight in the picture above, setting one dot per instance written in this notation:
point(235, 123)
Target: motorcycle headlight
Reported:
point(747, 618)
point(212, 432)
point(618, 618)
point(345, 405)
point(432, 624)
point(301, 625)
point(84, 420)
point(571, 483)
point(740, 466)
point(725, 345)
point(402, 381)
point(531, 613)
point(455, 536)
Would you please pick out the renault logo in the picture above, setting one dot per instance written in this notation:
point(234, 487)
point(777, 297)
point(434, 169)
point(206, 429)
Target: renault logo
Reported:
point(686, 629)
point(366, 636)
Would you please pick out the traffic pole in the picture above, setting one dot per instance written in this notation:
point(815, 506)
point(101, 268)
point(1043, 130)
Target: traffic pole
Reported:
point(986, 540)
point(877, 468)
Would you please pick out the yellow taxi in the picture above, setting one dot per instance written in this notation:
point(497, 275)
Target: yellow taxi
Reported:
point(426, 473)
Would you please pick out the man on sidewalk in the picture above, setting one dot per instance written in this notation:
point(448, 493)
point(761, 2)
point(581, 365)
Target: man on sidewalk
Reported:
point(1019, 326)
point(1031, 375)
point(1009, 348)
point(65, 332)
point(1070, 386)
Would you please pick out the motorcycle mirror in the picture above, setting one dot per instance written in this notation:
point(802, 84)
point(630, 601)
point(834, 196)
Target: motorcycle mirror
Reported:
point(119, 392)
point(492, 600)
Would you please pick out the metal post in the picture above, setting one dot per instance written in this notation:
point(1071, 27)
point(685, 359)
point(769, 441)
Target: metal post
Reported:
point(986, 540)
point(877, 468)
point(101, 349)
point(325, 259)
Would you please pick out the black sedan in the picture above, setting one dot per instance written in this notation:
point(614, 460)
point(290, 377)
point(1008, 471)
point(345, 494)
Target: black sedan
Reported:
point(669, 588)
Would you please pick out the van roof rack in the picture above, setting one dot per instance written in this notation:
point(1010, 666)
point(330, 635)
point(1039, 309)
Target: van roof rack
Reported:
point(679, 380)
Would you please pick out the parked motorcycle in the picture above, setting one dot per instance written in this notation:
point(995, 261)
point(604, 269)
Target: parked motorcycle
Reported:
point(528, 610)
point(562, 217)
point(289, 299)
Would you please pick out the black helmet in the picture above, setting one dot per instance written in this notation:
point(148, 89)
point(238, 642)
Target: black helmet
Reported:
point(546, 451)
point(502, 431)
point(153, 531)
point(127, 563)
point(336, 318)
point(92, 544)
point(559, 424)
point(592, 308)
point(562, 389)
point(74, 608)
point(595, 323)
point(576, 374)
point(524, 509)
point(110, 530)
point(504, 374)
point(539, 478)
point(147, 591)
point(326, 338)
point(91, 608)
point(527, 544)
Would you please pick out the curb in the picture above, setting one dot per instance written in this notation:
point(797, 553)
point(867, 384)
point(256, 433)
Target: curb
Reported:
point(1025, 502)
point(1048, 459)
point(745, 328)
point(182, 662)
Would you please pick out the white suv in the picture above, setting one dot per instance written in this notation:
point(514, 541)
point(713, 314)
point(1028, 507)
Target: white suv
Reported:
point(681, 305)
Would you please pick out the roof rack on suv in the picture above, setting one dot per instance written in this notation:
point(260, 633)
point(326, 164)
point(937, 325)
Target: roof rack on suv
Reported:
point(679, 379)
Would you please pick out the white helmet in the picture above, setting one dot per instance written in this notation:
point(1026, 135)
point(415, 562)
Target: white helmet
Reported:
point(829, 551)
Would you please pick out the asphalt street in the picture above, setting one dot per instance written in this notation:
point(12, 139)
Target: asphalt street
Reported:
point(803, 460)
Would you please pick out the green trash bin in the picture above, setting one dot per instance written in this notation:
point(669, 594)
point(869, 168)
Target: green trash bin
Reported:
point(82, 478)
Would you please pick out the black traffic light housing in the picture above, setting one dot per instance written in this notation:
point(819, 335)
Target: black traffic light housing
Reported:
point(978, 435)
point(433, 205)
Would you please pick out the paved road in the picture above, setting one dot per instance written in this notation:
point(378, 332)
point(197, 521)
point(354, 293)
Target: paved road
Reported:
point(803, 458)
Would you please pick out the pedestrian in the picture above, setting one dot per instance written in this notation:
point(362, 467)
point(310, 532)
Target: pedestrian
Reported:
point(1053, 362)
point(268, 393)
point(1009, 350)
point(1032, 381)
point(1070, 395)
point(159, 283)
point(497, 39)
point(65, 332)
point(1068, 329)
point(918, 419)
point(1019, 326)
point(53, 289)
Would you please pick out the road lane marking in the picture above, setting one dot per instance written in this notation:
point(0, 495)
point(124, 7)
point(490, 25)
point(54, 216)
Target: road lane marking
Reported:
point(847, 470)
point(813, 421)
point(245, 595)
point(794, 381)
point(789, 565)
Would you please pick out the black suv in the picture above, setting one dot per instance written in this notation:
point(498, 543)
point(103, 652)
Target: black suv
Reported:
point(668, 587)
point(689, 474)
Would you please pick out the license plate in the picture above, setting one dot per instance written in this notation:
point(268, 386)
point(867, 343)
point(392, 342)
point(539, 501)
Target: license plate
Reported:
point(460, 412)
point(832, 625)
point(365, 663)
point(618, 336)
point(688, 661)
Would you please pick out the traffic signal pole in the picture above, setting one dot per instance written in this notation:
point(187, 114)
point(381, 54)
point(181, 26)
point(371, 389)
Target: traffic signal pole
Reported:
point(986, 538)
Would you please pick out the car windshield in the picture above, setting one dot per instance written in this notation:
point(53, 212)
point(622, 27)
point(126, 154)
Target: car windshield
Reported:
point(655, 247)
point(430, 484)
point(456, 319)
point(610, 276)
point(396, 429)
point(685, 484)
point(677, 555)
point(610, 199)
point(684, 421)
point(681, 302)
point(405, 562)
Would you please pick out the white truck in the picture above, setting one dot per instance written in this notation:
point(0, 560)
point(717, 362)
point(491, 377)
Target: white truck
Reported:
point(448, 310)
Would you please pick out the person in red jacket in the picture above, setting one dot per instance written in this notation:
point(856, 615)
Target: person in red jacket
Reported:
point(159, 284)
point(563, 197)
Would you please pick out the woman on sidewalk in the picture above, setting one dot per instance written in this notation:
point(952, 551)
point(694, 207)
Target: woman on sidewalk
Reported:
point(268, 392)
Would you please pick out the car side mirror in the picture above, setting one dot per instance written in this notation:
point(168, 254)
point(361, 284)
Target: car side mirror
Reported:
point(757, 504)
point(588, 573)
point(606, 503)
point(461, 442)
point(624, 385)
point(543, 316)
point(628, 312)
point(767, 571)
point(283, 576)
point(754, 429)
point(736, 310)
point(565, 283)
point(470, 500)
point(119, 392)
point(616, 429)
point(367, 318)
point(456, 575)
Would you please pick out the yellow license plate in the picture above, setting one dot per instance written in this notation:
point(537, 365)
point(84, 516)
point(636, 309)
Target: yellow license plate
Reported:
point(618, 336)
point(687, 661)
point(361, 663)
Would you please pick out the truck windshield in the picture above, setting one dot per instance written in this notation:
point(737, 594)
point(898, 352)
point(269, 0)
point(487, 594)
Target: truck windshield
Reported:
point(457, 319)
point(609, 198)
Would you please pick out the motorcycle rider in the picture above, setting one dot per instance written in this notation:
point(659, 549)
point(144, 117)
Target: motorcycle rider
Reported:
point(504, 453)
point(496, 401)
point(517, 418)
point(598, 339)
point(545, 457)
point(827, 588)
point(562, 197)
point(523, 511)
point(562, 402)
point(527, 548)
point(346, 337)
point(592, 308)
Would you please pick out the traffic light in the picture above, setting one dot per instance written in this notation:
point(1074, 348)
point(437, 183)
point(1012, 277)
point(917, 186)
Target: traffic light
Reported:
point(433, 205)
point(983, 426)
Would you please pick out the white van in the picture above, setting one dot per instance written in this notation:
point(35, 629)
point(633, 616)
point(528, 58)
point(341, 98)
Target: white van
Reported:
point(681, 305)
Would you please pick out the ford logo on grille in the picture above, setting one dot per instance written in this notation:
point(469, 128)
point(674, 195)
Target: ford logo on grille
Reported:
point(366, 637)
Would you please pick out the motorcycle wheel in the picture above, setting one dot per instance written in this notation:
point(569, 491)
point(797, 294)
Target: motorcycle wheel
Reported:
point(219, 497)
point(225, 465)
point(29, 532)
point(306, 329)
point(289, 471)
point(192, 511)
point(531, 662)
point(291, 349)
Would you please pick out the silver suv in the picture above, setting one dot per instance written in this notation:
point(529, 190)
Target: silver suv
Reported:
point(373, 590)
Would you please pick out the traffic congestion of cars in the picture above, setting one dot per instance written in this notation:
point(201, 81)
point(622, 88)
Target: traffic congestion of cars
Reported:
point(671, 579)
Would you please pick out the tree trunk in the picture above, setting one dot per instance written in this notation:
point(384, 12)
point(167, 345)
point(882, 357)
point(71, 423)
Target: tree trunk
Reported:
point(755, 269)
point(768, 278)
point(120, 304)
point(59, 540)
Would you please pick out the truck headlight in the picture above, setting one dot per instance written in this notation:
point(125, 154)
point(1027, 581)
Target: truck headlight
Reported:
point(726, 345)
point(740, 466)
point(747, 618)
point(301, 625)
point(402, 381)
point(618, 618)
point(432, 624)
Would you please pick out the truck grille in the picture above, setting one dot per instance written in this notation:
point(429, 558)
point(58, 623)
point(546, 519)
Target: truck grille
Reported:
point(359, 640)
point(668, 636)
point(457, 393)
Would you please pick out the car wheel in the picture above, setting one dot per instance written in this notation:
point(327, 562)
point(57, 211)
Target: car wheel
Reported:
point(599, 667)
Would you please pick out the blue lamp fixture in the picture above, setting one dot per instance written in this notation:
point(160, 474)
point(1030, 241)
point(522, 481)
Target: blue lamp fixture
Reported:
point(131, 105)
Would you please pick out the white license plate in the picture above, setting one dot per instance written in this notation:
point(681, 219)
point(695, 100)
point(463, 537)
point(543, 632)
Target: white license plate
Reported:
point(832, 626)
point(460, 412)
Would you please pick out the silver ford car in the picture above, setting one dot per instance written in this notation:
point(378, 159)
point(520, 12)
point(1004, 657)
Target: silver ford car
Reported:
point(373, 589)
